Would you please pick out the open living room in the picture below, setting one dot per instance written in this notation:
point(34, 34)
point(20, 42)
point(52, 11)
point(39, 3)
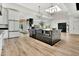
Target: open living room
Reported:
point(39, 29)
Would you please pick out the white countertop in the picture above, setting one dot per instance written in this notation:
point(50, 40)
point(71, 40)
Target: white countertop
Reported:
point(47, 29)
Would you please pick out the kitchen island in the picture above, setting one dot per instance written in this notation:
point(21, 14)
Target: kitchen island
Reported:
point(46, 35)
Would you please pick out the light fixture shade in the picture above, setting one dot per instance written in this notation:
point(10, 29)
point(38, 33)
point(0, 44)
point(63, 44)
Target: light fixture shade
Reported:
point(39, 15)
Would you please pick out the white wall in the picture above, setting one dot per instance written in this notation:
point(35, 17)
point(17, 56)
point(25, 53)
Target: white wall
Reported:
point(72, 21)
point(74, 25)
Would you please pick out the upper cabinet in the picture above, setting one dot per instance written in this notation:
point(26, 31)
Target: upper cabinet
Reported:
point(3, 15)
point(13, 17)
point(13, 14)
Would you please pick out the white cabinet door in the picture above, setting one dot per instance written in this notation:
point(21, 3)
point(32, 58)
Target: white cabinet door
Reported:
point(14, 34)
point(11, 26)
point(11, 14)
point(16, 26)
point(4, 15)
point(13, 17)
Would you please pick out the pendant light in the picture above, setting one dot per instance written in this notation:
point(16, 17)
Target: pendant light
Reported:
point(39, 13)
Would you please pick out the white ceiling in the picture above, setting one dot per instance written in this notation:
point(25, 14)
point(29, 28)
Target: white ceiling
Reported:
point(70, 8)
point(43, 6)
point(67, 9)
point(34, 6)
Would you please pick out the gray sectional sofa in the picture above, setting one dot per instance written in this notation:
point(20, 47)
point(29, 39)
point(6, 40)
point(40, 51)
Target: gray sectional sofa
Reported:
point(50, 38)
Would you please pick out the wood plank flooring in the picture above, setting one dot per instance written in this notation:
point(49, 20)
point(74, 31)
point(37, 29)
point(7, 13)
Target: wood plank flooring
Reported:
point(26, 46)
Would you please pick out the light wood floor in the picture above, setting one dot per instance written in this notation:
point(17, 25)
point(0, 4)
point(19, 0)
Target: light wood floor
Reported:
point(26, 46)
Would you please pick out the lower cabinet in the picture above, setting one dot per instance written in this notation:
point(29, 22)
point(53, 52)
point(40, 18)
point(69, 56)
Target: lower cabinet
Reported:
point(45, 38)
